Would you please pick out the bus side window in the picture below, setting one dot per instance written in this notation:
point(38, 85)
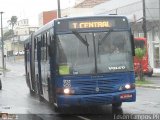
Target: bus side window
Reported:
point(47, 40)
point(35, 43)
point(51, 46)
point(35, 48)
point(42, 46)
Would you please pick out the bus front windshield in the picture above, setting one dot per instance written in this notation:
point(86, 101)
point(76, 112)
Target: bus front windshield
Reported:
point(94, 52)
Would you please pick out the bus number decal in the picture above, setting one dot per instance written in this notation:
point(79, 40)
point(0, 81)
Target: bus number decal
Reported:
point(67, 83)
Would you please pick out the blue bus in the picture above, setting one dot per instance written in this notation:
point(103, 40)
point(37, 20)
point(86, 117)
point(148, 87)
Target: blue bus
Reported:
point(82, 61)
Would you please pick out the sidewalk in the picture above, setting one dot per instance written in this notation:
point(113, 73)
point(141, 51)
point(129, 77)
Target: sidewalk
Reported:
point(155, 82)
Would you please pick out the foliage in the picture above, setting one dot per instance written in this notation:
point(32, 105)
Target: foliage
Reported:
point(13, 21)
point(8, 34)
point(141, 82)
point(140, 53)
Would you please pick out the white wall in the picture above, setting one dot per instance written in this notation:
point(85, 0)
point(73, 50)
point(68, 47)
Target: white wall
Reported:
point(130, 8)
point(74, 12)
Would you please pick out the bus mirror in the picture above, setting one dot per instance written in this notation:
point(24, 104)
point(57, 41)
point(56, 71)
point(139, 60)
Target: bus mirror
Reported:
point(132, 45)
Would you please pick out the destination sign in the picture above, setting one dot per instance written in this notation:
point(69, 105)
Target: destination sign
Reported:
point(89, 24)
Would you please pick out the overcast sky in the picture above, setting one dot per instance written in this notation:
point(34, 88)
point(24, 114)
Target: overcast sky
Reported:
point(29, 8)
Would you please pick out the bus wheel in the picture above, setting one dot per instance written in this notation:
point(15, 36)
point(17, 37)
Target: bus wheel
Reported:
point(0, 85)
point(56, 108)
point(117, 105)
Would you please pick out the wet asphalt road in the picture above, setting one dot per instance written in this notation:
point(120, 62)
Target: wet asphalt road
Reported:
point(15, 99)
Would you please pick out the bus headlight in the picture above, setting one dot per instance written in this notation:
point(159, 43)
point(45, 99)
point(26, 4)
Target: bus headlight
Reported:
point(127, 86)
point(66, 91)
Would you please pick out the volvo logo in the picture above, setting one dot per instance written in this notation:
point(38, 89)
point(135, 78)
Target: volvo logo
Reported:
point(117, 68)
point(97, 89)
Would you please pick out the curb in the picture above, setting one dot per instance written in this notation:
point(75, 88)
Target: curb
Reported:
point(156, 74)
point(148, 86)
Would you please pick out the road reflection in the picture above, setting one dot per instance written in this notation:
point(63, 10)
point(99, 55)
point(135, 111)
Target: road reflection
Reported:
point(78, 113)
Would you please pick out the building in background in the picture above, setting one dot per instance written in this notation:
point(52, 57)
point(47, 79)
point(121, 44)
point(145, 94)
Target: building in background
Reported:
point(47, 16)
point(14, 45)
point(82, 8)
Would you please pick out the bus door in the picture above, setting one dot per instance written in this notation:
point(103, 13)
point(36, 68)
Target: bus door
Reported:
point(27, 67)
point(44, 66)
point(38, 74)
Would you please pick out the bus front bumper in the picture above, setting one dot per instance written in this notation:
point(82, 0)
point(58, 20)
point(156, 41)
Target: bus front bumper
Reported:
point(96, 99)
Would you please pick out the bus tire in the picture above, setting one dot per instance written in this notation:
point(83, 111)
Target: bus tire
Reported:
point(116, 105)
point(0, 85)
point(32, 93)
point(56, 108)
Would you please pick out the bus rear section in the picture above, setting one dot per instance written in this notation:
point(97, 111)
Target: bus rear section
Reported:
point(147, 69)
point(93, 62)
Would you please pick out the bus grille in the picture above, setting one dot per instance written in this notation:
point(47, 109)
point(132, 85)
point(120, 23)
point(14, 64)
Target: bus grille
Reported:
point(95, 86)
point(98, 100)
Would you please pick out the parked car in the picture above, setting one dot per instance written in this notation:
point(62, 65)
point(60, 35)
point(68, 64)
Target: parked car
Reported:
point(15, 53)
point(21, 52)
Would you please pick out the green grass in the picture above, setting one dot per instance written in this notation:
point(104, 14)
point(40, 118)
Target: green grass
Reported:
point(143, 82)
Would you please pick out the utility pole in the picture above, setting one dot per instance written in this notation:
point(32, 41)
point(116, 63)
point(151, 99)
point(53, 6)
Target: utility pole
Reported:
point(144, 26)
point(59, 9)
point(159, 33)
point(2, 48)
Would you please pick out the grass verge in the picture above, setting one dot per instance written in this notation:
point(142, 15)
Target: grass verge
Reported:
point(143, 82)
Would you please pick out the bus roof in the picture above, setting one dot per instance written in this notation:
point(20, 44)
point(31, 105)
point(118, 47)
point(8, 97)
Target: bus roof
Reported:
point(93, 16)
point(51, 23)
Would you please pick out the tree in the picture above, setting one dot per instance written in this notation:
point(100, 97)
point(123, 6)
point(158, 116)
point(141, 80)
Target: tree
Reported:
point(8, 34)
point(139, 53)
point(13, 21)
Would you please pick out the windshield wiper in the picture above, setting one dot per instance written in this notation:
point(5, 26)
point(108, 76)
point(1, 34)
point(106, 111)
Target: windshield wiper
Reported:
point(81, 39)
point(106, 35)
